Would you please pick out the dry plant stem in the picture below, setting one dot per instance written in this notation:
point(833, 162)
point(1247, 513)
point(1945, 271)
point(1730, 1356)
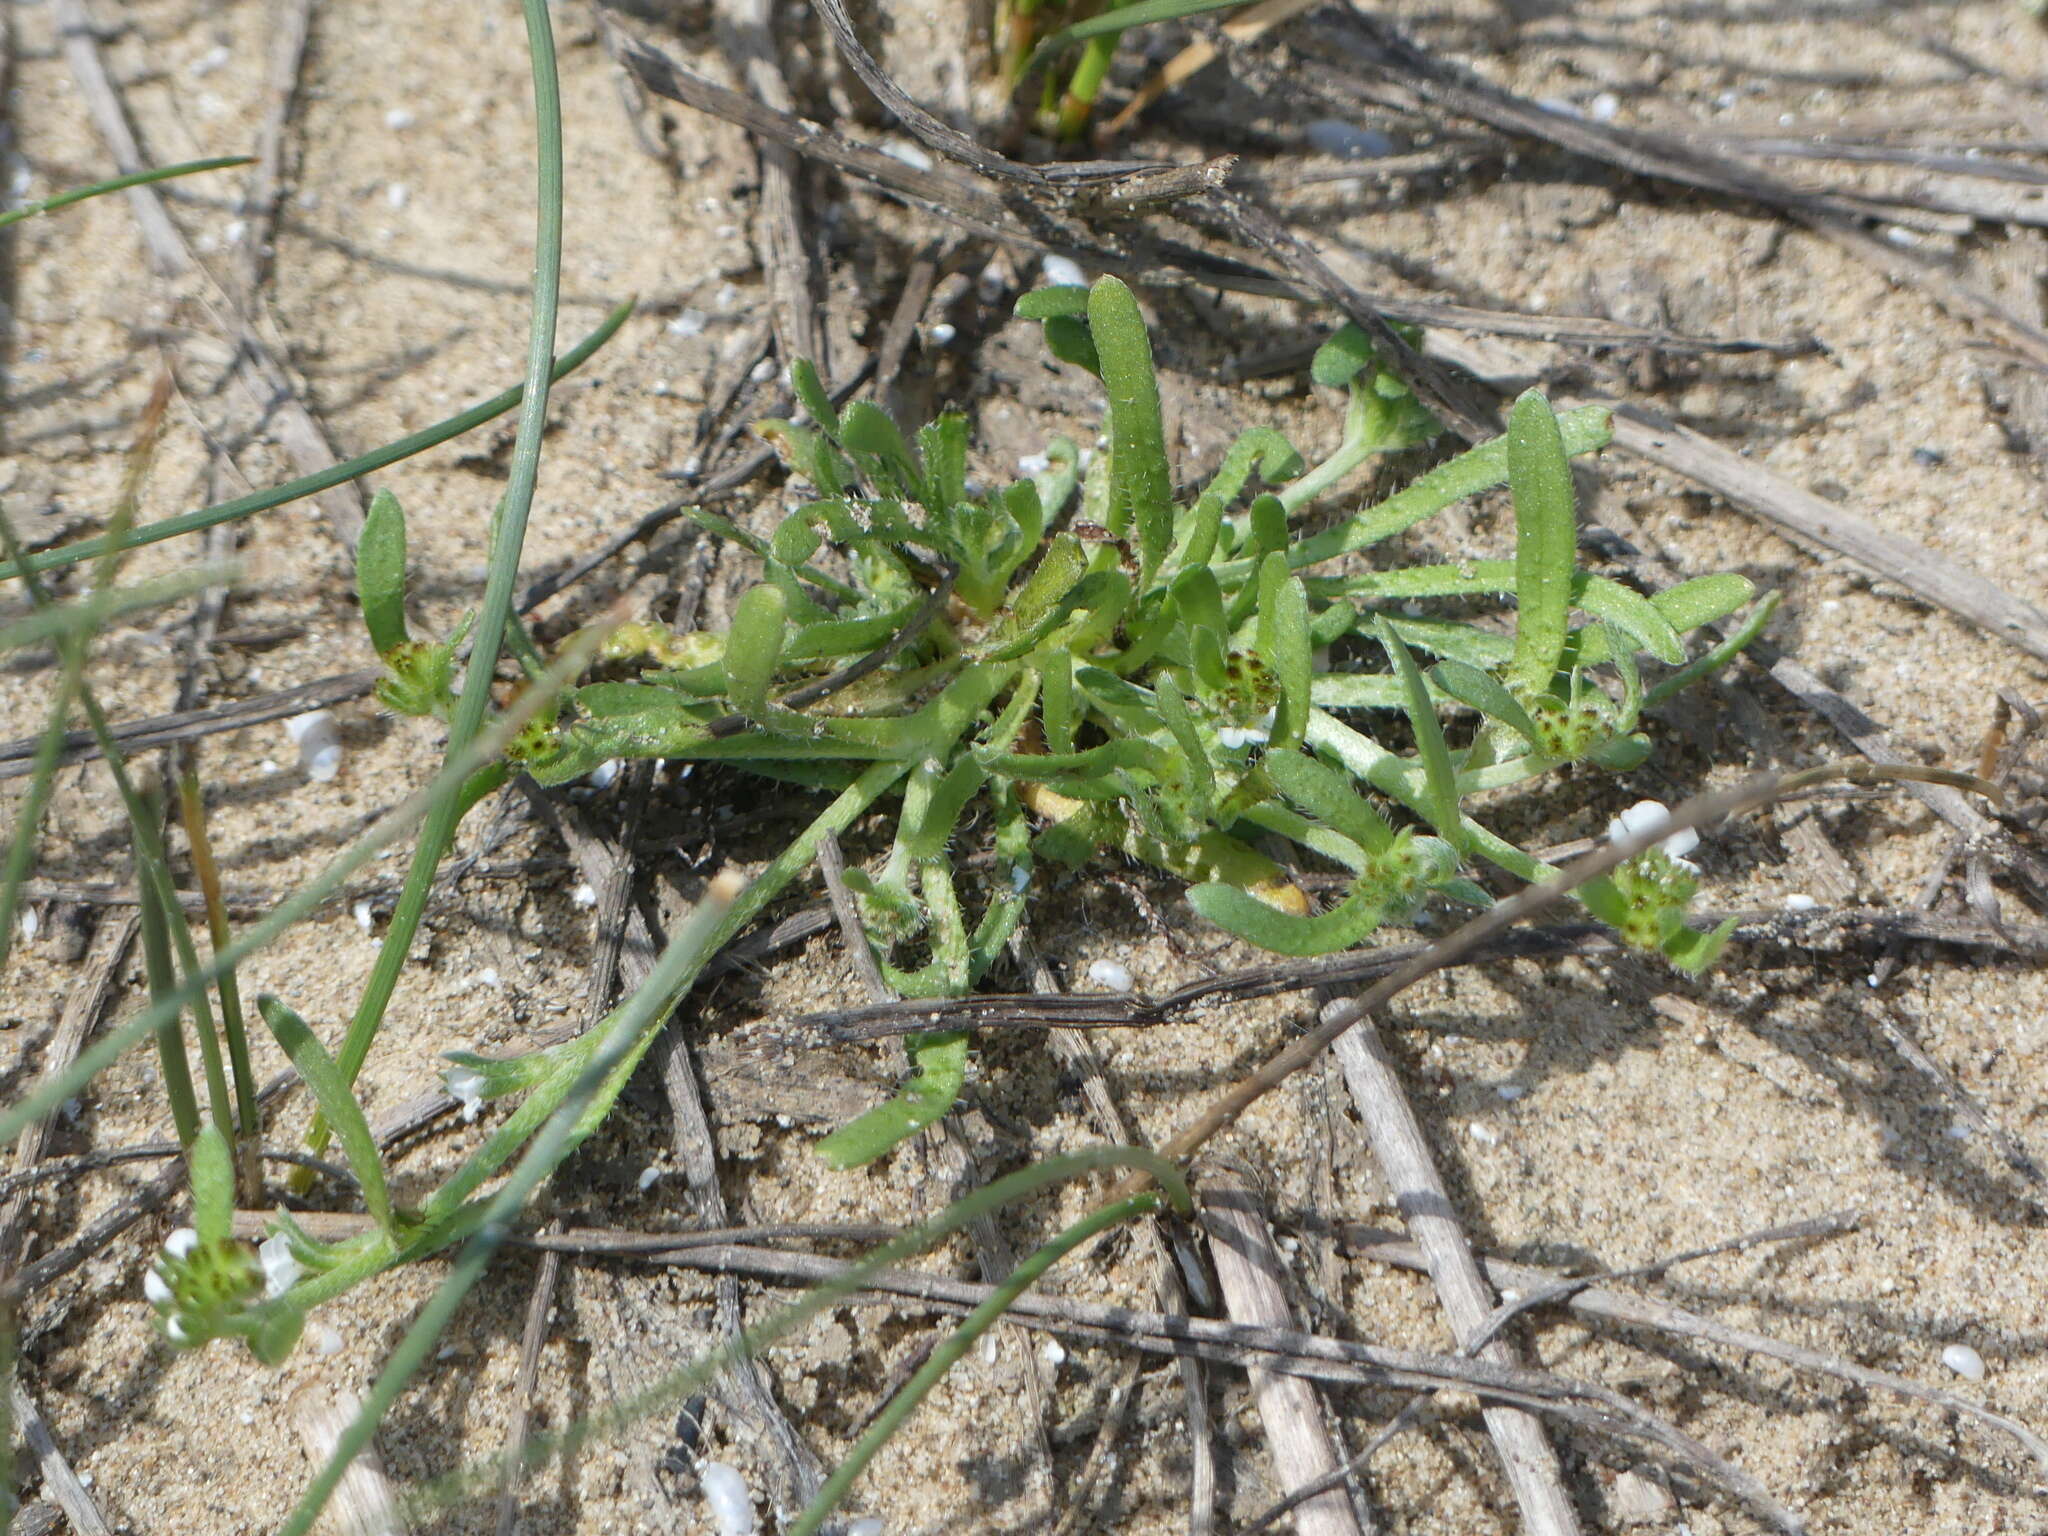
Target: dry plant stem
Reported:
point(290, 23)
point(60, 1484)
point(532, 1340)
point(300, 436)
point(1698, 811)
point(1077, 1053)
point(82, 1008)
point(363, 1502)
point(955, 1162)
point(745, 31)
point(1410, 1170)
point(1089, 1011)
point(1597, 1409)
point(1608, 1305)
point(1248, 1268)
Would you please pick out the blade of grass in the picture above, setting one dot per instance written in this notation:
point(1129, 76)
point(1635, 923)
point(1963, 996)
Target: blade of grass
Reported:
point(120, 184)
point(312, 485)
point(508, 536)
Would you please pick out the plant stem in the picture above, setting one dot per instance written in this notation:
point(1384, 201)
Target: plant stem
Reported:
point(508, 535)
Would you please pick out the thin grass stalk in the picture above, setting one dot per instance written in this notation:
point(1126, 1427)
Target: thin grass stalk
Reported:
point(248, 1116)
point(94, 1059)
point(120, 184)
point(311, 485)
point(508, 536)
point(685, 955)
point(172, 1063)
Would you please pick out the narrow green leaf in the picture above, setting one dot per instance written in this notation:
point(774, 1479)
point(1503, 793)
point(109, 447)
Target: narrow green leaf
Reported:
point(1059, 299)
point(380, 573)
point(1546, 540)
point(338, 1106)
point(812, 395)
point(1483, 692)
point(120, 183)
point(1284, 646)
point(1141, 484)
point(1173, 709)
point(939, 1069)
point(753, 649)
point(211, 1168)
point(1328, 795)
point(1252, 920)
point(1439, 777)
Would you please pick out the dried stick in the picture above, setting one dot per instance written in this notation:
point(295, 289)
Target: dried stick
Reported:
point(298, 433)
point(1249, 1270)
point(60, 1484)
point(745, 30)
point(1596, 1408)
point(1077, 1053)
point(532, 1340)
point(1599, 1301)
point(363, 1502)
point(1403, 1151)
point(82, 1008)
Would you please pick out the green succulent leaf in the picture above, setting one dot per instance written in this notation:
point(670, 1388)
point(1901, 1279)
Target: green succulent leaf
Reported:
point(380, 573)
point(337, 1103)
point(1546, 540)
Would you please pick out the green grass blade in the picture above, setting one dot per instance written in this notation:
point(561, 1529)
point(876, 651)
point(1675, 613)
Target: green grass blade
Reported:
point(950, 1352)
point(1438, 774)
point(1122, 19)
point(121, 184)
point(312, 485)
point(337, 1103)
point(1141, 487)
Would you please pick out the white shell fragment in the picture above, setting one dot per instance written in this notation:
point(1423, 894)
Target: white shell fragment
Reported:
point(1110, 975)
point(365, 915)
point(1646, 816)
point(731, 1501)
point(317, 735)
point(870, 1526)
point(1964, 1361)
point(466, 1087)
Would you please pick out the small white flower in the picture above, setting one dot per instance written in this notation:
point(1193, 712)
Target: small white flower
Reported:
point(281, 1269)
point(466, 1084)
point(176, 1329)
point(179, 1244)
point(1647, 816)
point(155, 1287)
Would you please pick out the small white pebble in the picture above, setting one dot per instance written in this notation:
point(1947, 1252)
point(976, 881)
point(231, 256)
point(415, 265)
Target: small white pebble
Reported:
point(731, 1501)
point(585, 895)
point(910, 154)
point(366, 918)
point(398, 119)
point(28, 923)
point(942, 334)
point(602, 775)
point(764, 370)
point(690, 322)
point(155, 1287)
point(728, 295)
point(1110, 975)
point(1347, 141)
point(648, 1175)
point(1603, 107)
point(988, 1349)
point(214, 58)
point(1964, 1361)
point(1484, 1134)
point(179, 1244)
point(268, 765)
point(1062, 272)
point(1053, 1353)
point(247, 1417)
point(397, 194)
point(1957, 1131)
point(1510, 1091)
point(1033, 464)
point(1799, 901)
point(869, 1526)
point(326, 1342)
point(317, 735)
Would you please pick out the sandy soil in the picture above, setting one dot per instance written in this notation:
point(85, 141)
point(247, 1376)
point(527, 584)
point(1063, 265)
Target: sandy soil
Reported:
point(1598, 1114)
